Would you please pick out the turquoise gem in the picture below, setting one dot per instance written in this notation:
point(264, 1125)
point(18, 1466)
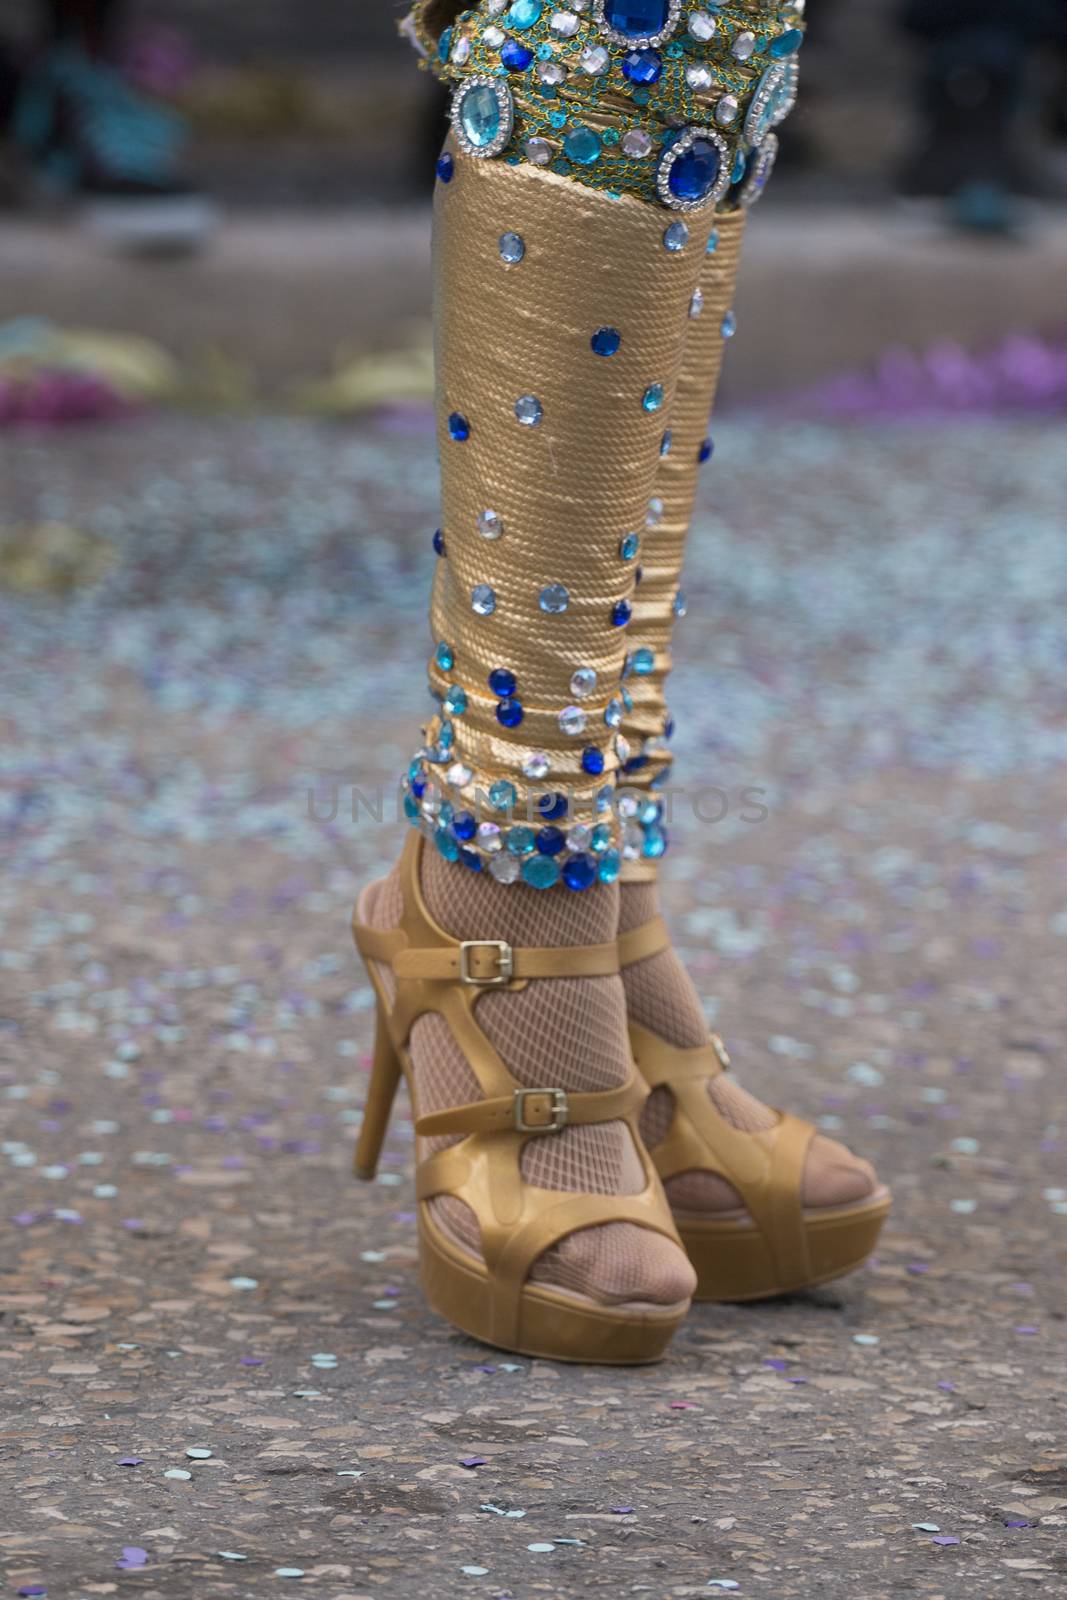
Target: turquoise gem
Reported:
point(448, 846)
point(655, 844)
point(644, 662)
point(455, 701)
point(787, 44)
point(558, 119)
point(446, 736)
point(740, 163)
point(445, 657)
point(713, 241)
point(540, 872)
point(601, 839)
point(652, 398)
point(582, 146)
point(524, 13)
point(444, 45)
point(545, 52)
point(503, 795)
point(630, 546)
point(521, 840)
point(608, 870)
point(479, 115)
point(411, 807)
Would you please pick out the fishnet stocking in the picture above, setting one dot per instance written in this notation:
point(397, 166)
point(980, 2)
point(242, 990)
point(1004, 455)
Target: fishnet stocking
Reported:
point(660, 996)
point(569, 1032)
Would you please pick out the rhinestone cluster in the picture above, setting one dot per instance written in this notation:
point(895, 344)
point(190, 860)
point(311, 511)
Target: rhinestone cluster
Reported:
point(669, 100)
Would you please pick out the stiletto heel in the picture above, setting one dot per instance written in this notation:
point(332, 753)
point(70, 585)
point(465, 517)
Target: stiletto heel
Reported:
point(385, 1077)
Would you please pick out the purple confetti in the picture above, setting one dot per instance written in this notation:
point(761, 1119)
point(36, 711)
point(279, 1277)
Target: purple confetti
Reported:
point(472, 1461)
point(132, 1556)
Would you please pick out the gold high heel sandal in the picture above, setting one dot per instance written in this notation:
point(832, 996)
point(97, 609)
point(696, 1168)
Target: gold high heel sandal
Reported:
point(491, 1299)
point(778, 1245)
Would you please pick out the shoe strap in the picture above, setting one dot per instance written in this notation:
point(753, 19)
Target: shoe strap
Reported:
point(535, 1111)
point(640, 943)
point(486, 963)
point(661, 1063)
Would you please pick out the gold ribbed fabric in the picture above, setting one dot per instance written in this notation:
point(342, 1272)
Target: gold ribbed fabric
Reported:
point(568, 490)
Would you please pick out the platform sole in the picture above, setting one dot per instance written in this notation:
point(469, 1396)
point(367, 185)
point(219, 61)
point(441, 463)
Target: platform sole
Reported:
point(732, 1261)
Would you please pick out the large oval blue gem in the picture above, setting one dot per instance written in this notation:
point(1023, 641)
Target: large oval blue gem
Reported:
point(480, 115)
point(637, 19)
point(695, 172)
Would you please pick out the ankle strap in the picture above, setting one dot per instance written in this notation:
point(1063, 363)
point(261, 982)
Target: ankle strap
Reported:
point(492, 963)
point(640, 943)
point(534, 1111)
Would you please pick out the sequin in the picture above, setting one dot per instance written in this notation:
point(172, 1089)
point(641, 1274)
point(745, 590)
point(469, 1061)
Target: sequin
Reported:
point(582, 146)
point(592, 761)
point(502, 794)
point(550, 841)
point(583, 682)
point(536, 765)
point(652, 399)
point(521, 840)
point(580, 871)
point(572, 720)
point(606, 341)
point(608, 868)
point(509, 713)
point(490, 524)
point(675, 238)
point(505, 868)
point(458, 426)
point(445, 656)
point(483, 600)
point(554, 599)
point(455, 701)
point(540, 872)
point(529, 410)
point(502, 682)
point(446, 167)
point(512, 247)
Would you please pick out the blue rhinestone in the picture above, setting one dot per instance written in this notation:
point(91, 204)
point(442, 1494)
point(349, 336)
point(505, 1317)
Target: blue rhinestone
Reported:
point(652, 398)
point(446, 845)
point(582, 146)
point(639, 573)
point(655, 844)
point(580, 871)
point(444, 45)
point(502, 682)
point(786, 44)
point(713, 241)
point(445, 167)
point(635, 764)
point(471, 859)
point(694, 174)
point(665, 443)
point(455, 701)
point(464, 825)
point(707, 449)
point(540, 872)
point(459, 427)
point(554, 599)
point(479, 114)
point(521, 840)
point(606, 341)
point(739, 167)
point(729, 325)
point(445, 656)
point(418, 787)
point(668, 726)
point(675, 238)
point(550, 841)
point(608, 871)
point(601, 838)
point(642, 66)
point(552, 806)
point(516, 57)
point(644, 662)
point(592, 761)
point(629, 546)
point(446, 736)
point(411, 807)
point(627, 699)
point(621, 613)
point(502, 794)
point(509, 713)
point(446, 813)
point(439, 542)
point(637, 19)
point(524, 14)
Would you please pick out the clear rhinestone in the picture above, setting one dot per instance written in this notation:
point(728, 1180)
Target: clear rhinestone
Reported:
point(702, 25)
point(637, 143)
point(580, 837)
point(536, 765)
point(495, 7)
point(654, 515)
point(622, 748)
point(512, 247)
point(493, 36)
point(744, 46)
point(594, 60)
point(613, 713)
point(489, 837)
point(483, 600)
point(729, 325)
point(551, 72)
point(459, 774)
point(680, 606)
point(565, 24)
point(490, 524)
point(539, 151)
point(583, 682)
point(675, 238)
point(505, 868)
point(698, 77)
point(461, 50)
point(727, 109)
point(627, 805)
point(696, 305)
point(572, 720)
point(529, 410)
point(553, 599)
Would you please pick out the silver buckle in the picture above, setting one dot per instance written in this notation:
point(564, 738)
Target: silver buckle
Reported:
point(505, 962)
point(560, 1110)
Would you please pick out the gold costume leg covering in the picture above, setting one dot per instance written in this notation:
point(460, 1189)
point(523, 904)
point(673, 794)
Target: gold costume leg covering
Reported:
point(562, 318)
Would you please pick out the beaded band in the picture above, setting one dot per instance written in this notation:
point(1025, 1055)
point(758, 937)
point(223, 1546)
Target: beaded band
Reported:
point(670, 101)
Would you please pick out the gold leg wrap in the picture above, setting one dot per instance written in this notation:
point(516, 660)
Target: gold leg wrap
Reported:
point(550, 454)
